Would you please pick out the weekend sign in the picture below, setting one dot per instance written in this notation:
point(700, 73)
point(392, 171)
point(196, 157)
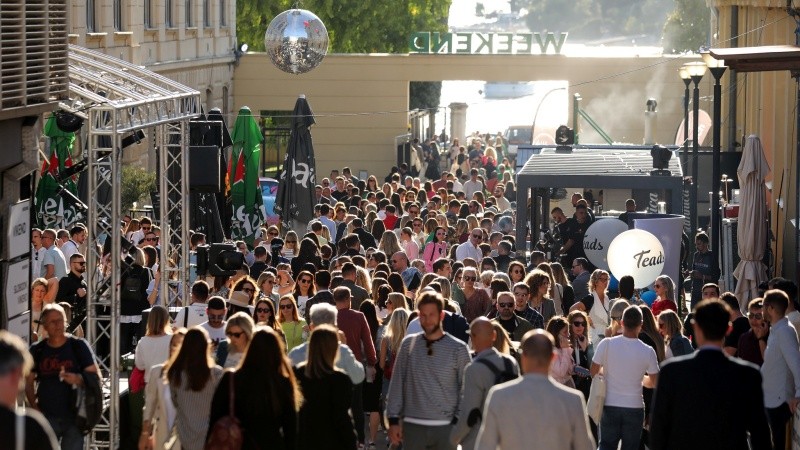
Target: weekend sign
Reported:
point(473, 43)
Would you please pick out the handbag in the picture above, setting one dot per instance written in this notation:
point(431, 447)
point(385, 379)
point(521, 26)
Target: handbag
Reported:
point(597, 398)
point(226, 434)
point(136, 381)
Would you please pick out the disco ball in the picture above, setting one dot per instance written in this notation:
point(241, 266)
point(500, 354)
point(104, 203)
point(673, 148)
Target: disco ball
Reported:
point(296, 41)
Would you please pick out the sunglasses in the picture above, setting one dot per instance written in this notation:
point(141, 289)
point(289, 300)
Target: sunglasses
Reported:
point(305, 281)
point(273, 233)
point(469, 278)
point(263, 310)
point(286, 306)
point(579, 323)
point(151, 239)
point(757, 316)
point(248, 290)
point(234, 334)
point(506, 305)
point(478, 236)
point(429, 345)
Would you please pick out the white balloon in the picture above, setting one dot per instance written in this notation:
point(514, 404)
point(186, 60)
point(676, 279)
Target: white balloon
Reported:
point(637, 253)
point(598, 238)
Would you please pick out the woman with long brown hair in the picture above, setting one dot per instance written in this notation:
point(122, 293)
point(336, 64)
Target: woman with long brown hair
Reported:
point(193, 377)
point(294, 328)
point(265, 393)
point(303, 290)
point(325, 421)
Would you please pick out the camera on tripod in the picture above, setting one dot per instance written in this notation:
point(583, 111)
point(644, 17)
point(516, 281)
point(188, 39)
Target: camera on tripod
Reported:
point(218, 260)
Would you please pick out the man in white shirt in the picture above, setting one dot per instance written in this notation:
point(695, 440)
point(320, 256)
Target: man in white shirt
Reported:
point(457, 186)
point(37, 252)
point(499, 198)
point(470, 249)
point(54, 264)
point(781, 368)
point(472, 185)
point(624, 360)
point(216, 313)
point(790, 288)
point(195, 313)
point(77, 236)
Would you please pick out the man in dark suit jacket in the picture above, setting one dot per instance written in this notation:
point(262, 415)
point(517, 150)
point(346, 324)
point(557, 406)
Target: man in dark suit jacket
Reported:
point(322, 280)
point(367, 240)
point(359, 294)
point(707, 399)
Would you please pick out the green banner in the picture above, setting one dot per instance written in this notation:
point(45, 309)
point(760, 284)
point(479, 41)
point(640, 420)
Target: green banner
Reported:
point(51, 210)
point(246, 198)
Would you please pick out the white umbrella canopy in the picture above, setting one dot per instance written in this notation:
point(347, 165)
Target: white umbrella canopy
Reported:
point(752, 230)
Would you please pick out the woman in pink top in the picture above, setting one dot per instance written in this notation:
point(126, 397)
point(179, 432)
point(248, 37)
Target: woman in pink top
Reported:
point(563, 365)
point(436, 248)
point(410, 247)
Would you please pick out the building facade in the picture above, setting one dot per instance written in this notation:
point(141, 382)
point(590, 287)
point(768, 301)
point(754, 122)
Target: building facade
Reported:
point(189, 41)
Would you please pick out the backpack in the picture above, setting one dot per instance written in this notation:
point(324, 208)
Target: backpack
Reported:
point(507, 374)
point(226, 433)
point(131, 290)
point(88, 399)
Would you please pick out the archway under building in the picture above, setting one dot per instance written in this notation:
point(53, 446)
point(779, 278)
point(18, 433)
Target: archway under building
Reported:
point(361, 100)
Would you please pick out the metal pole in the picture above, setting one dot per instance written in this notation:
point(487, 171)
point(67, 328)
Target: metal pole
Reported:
point(715, 170)
point(695, 149)
point(685, 154)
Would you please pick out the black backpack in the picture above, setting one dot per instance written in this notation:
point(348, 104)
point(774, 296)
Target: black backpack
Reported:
point(131, 290)
point(507, 374)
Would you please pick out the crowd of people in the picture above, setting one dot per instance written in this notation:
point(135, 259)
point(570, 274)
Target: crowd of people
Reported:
point(408, 307)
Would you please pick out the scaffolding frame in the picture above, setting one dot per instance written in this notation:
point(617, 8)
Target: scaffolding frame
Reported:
point(119, 98)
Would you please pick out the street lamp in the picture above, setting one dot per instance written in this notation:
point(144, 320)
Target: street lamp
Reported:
point(717, 68)
point(687, 80)
point(696, 70)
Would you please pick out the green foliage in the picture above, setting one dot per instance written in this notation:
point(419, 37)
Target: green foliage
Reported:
point(137, 183)
point(354, 26)
point(597, 19)
point(424, 94)
point(687, 26)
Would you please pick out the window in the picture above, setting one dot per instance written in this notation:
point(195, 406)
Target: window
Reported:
point(206, 14)
point(189, 21)
point(148, 14)
point(223, 13)
point(169, 19)
point(91, 25)
point(118, 15)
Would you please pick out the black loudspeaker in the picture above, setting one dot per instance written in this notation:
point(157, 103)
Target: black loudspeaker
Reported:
point(204, 169)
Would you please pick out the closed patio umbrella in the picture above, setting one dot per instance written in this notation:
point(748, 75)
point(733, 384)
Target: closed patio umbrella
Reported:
point(295, 200)
point(752, 230)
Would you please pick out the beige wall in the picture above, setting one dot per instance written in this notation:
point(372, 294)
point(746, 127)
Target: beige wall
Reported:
point(766, 107)
point(361, 100)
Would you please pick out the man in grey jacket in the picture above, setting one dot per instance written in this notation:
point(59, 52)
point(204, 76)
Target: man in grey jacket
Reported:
point(478, 379)
point(558, 423)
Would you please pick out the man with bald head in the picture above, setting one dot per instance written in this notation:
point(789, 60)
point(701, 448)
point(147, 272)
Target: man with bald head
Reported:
point(479, 376)
point(535, 407)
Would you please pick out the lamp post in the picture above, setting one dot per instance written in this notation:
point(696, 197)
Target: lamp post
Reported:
point(717, 68)
point(687, 80)
point(696, 71)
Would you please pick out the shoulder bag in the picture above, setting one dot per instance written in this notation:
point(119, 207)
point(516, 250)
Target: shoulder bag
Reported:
point(597, 398)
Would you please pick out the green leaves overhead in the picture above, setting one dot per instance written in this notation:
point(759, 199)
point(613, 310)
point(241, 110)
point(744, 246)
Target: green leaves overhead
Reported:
point(354, 26)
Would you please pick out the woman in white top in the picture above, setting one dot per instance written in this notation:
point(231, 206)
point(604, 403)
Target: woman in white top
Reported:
point(159, 412)
point(153, 348)
point(597, 305)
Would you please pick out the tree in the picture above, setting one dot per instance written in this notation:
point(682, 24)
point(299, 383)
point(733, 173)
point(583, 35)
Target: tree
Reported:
point(687, 26)
point(354, 26)
point(137, 183)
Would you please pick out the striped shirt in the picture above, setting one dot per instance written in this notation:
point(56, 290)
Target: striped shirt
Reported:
point(426, 388)
point(194, 409)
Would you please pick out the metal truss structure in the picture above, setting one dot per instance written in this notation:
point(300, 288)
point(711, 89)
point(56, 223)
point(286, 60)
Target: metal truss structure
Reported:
point(117, 99)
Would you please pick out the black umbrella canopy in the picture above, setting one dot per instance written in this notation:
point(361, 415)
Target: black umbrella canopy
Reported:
point(295, 198)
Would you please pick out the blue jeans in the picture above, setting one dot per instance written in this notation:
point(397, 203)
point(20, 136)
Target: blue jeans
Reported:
point(67, 433)
point(623, 424)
